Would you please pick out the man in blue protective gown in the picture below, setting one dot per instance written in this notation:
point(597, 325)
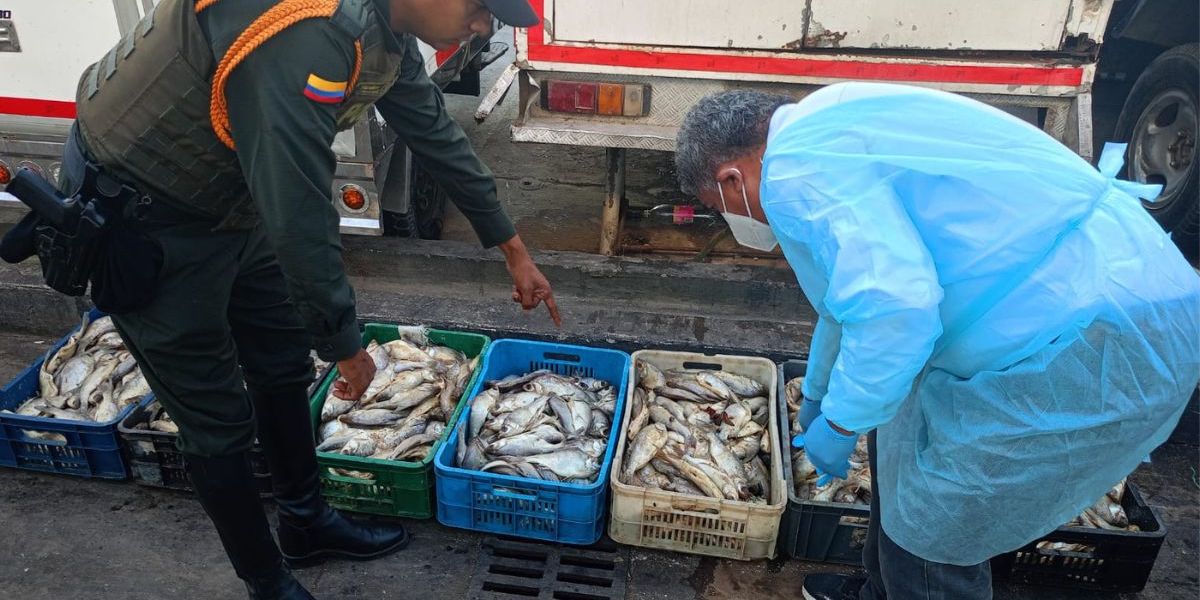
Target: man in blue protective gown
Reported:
point(1007, 323)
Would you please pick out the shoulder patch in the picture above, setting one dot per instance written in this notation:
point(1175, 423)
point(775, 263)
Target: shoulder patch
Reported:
point(324, 91)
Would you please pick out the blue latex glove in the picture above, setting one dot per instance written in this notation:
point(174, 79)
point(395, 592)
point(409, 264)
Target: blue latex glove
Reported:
point(809, 409)
point(828, 450)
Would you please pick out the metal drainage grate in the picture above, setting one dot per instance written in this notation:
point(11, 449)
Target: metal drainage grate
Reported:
point(511, 569)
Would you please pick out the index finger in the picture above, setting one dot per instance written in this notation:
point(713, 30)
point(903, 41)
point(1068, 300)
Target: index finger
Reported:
point(553, 308)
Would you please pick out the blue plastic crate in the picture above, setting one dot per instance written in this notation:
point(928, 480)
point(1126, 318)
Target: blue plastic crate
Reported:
point(91, 449)
point(544, 510)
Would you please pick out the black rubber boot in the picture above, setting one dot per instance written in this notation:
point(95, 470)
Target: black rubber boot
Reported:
point(225, 486)
point(309, 530)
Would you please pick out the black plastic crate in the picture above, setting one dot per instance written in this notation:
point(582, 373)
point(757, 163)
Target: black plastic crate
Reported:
point(821, 531)
point(1112, 561)
point(156, 461)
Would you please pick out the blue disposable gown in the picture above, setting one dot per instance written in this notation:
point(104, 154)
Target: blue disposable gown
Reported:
point(1017, 327)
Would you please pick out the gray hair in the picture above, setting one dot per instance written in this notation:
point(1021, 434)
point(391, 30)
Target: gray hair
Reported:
point(720, 128)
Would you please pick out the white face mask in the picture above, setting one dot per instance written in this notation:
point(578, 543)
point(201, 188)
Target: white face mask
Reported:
point(748, 231)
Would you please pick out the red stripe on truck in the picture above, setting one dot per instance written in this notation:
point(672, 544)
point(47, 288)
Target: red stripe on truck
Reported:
point(799, 66)
point(37, 107)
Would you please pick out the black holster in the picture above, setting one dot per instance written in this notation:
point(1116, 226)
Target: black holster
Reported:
point(90, 236)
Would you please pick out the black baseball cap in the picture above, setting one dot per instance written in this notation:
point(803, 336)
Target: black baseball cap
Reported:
point(517, 13)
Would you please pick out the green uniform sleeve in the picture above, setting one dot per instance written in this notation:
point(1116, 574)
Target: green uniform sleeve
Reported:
point(283, 142)
point(415, 109)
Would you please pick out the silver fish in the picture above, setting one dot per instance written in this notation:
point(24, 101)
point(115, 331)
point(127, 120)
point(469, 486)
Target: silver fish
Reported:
point(448, 397)
point(581, 416)
point(408, 398)
point(697, 476)
point(404, 350)
point(164, 426)
point(641, 416)
point(644, 447)
point(600, 425)
point(475, 455)
point(567, 464)
point(716, 386)
point(481, 406)
point(402, 382)
point(335, 407)
point(649, 376)
point(101, 372)
point(511, 402)
point(331, 428)
point(672, 407)
point(724, 459)
point(651, 478)
point(519, 420)
point(404, 446)
point(73, 373)
point(731, 488)
point(554, 384)
point(513, 382)
point(446, 355)
point(740, 385)
point(539, 441)
point(370, 417)
point(683, 486)
point(746, 447)
point(674, 393)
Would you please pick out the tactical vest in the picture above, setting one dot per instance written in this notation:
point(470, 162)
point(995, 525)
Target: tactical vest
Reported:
point(145, 110)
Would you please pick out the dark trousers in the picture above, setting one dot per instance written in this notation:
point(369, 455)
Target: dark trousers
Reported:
point(220, 322)
point(896, 574)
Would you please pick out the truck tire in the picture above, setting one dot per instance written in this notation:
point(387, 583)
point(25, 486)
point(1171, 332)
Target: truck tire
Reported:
point(399, 224)
point(1159, 121)
point(428, 203)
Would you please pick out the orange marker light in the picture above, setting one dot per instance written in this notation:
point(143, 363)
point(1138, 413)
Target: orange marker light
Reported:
point(353, 197)
point(612, 99)
point(6, 174)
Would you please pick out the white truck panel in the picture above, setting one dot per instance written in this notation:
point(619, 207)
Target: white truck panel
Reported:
point(1014, 25)
point(59, 39)
point(707, 23)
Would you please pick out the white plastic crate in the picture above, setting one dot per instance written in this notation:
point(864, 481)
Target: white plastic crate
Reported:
point(694, 524)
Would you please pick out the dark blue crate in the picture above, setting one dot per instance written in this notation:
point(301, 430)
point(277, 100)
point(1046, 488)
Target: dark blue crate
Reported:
point(544, 510)
point(91, 449)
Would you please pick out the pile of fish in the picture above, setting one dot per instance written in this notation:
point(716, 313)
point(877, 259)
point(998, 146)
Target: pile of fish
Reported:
point(1106, 513)
point(92, 377)
point(158, 419)
point(405, 408)
point(702, 433)
point(854, 489)
point(539, 425)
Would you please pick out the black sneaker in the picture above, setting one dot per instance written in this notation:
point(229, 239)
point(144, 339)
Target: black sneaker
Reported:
point(831, 586)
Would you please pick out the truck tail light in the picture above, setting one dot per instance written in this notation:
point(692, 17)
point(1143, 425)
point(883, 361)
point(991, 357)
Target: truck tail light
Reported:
point(593, 98)
point(32, 166)
point(354, 197)
point(6, 173)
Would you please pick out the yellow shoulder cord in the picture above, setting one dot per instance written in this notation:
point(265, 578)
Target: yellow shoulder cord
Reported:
point(276, 19)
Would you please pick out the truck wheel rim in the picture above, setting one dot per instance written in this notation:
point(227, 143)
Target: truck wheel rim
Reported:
point(1163, 148)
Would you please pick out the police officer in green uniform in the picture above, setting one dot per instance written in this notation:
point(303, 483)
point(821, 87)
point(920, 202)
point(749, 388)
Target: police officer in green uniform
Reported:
point(223, 114)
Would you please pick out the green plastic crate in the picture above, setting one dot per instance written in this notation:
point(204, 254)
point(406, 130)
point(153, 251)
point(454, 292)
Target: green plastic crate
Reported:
point(399, 488)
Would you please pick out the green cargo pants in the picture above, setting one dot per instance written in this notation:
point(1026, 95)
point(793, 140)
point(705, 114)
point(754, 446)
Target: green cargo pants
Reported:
point(221, 316)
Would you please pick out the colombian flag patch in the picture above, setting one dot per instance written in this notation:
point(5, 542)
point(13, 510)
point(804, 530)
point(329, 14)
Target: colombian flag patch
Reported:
point(324, 91)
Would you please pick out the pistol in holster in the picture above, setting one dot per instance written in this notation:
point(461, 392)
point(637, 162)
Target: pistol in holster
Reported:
point(67, 234)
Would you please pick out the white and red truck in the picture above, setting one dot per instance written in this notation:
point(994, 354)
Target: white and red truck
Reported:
point(45, 45)
point(621, 75)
